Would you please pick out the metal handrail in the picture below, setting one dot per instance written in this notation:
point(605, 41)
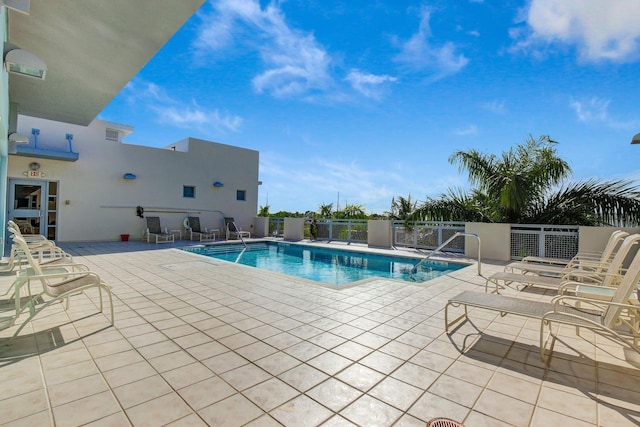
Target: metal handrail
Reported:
point(449, 240)
point(239, 233)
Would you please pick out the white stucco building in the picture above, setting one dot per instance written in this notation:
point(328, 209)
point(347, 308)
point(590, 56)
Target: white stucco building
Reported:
point(82, 183)
point(74, 188)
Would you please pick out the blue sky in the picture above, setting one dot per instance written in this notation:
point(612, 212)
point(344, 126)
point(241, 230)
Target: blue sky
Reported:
point(368, 99)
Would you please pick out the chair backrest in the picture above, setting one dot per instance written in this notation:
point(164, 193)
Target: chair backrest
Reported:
point(621, 254)
point(616, 238)
point(26, 253)
point(232, 227)
point(153, 224)
point(194, 224)
point(624, 290)
point(14, 228)
point(16, 251)
point(49, 288)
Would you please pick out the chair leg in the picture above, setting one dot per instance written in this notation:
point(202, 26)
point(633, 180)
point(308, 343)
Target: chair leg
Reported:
point(110, 303)
point(544, 340)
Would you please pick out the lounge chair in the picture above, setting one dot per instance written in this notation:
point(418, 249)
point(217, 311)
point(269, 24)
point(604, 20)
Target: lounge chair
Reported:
point(600, 316)
point(233, 231)
point(608, 252)
point(154, 230)
point(195, 231)
point(611, 276)
point(44, 251)
point(58, 284)
point(25, 226)
point(599, 263)
point(29, 238)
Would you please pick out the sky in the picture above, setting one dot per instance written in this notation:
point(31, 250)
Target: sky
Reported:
point(352, 101)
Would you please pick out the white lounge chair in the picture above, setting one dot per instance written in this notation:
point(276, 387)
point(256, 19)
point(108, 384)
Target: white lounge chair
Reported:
point(601, 316)
point(614, 241)
point(599, 263)
point(58, 283)
point(43, 250)
point(155, 231)
point(611, 276)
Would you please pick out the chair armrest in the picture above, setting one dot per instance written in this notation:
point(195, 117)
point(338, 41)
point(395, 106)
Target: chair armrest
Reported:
point(67, 275)
point(571, 286)
point(601, 304)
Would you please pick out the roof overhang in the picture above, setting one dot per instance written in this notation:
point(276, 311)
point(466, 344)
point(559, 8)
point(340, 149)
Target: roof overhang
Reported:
point(92, 49)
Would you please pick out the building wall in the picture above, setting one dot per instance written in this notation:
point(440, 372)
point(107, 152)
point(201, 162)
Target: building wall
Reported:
point(96, 203)
point(4, 124)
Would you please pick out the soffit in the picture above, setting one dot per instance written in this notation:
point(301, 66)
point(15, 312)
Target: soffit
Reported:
point(92, 49)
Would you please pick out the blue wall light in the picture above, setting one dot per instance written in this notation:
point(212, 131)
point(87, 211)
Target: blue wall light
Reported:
point(218, 184)
point(129, 176)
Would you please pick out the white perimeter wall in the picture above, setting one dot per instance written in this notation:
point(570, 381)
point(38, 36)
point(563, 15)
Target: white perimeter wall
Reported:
point(101, 203)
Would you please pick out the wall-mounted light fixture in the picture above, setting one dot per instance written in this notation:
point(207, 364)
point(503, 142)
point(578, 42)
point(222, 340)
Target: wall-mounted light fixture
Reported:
point(24, 63)
point(129, 175)
point(218, 184)
point(18, 138)
point(34, 166)
point(636, 139)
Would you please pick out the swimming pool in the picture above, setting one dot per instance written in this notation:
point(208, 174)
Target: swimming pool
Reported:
point(326, 265)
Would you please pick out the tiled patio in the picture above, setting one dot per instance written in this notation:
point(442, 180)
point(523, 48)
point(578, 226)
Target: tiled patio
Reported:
point(203, 342)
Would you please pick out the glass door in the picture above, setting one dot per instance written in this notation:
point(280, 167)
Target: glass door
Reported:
point(30, 206)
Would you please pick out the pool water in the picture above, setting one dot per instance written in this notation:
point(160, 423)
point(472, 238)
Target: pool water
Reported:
point(330, 266)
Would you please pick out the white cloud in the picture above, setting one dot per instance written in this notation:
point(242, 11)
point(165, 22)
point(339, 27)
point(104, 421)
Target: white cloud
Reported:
point(596, 110)
point(495, 106)
point(468, 131)
point(314, 180)
point(172, 112)
point(598, 29)
point(295, 63)
point(190, 117)
point(367, 84)
point(419, 54)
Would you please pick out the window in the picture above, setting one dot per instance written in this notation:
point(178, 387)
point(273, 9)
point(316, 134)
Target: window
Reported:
point(241, 195)
point(112, 135)
point(189, 191)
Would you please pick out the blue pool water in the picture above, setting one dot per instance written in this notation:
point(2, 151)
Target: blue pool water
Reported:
point(331, 266)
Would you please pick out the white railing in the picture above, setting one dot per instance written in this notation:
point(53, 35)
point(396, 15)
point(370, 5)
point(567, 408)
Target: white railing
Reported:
point(276, 227)
point(427, 235)
point(344, 230)
point(554, 241)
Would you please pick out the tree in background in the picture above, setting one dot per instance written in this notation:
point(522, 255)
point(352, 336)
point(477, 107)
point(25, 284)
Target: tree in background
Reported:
point(527, 185)
point(402, 208)
point(264, 210)
point(325, 210)
point(351, 211)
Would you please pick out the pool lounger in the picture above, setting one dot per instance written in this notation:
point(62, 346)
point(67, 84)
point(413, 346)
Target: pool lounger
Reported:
point(556, 311)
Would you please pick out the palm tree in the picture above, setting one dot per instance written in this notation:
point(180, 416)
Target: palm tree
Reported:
point(527, 185)
point(264, 210)
point(352, 211)
point(325, 210)
point(403, 208)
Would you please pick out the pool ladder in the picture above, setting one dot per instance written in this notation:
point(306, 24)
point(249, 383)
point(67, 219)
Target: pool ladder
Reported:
point(414, 270)
point(239, 233)
point(241, 239)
